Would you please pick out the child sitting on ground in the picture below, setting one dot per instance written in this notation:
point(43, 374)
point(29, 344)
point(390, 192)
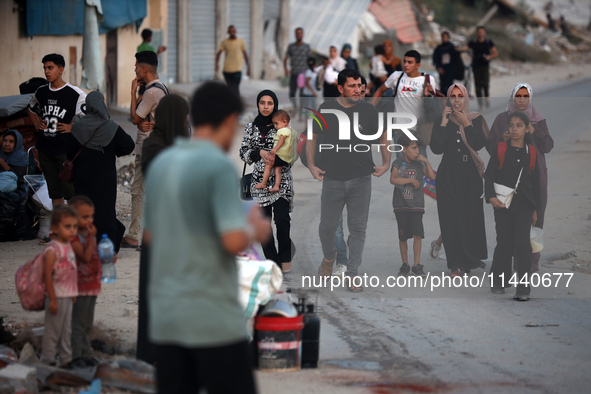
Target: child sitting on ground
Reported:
point(281, 150)
point(60, 281)
point(89, 282)
point(409, 201)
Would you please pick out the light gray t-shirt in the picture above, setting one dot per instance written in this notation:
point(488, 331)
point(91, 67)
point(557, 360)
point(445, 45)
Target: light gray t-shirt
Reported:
point(191, 200)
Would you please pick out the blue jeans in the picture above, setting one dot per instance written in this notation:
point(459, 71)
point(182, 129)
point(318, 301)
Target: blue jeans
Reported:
point(356, 195)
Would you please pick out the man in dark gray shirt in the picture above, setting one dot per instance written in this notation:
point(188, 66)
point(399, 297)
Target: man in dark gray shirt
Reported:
point(298, 53)
point(346, 172)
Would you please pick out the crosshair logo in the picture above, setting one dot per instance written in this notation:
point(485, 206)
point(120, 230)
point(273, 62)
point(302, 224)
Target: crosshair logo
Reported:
point(317, 117)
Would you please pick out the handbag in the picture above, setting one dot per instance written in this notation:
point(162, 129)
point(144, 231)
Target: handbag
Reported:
point(504, 193)
point(245, 183)
point(67, 172)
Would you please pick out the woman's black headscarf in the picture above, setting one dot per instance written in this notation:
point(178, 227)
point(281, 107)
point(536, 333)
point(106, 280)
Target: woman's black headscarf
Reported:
point(171, 122)
point(265, 123)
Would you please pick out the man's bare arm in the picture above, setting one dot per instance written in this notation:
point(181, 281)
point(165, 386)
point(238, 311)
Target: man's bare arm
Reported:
point(376, 97)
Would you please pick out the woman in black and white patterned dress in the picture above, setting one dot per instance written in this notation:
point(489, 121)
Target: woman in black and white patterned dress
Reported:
point(256, 146)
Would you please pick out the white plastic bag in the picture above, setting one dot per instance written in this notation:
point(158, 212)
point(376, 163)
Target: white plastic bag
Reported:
point(257, 280)
point(44, 227)
point(39, 186)
point(536, 236)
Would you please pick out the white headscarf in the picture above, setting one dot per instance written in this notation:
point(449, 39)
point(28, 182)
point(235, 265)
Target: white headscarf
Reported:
point(531, 111)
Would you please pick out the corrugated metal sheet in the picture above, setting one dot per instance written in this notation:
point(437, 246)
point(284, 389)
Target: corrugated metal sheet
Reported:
point(66, 17)
point(240, 18)
point(203, 46)
point(271, 9)
point(398, 15)
point(327, 22)
point(369, 26)
point(172, 39)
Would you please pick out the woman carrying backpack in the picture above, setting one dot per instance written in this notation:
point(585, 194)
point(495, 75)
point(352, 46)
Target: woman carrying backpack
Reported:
point(521, 100)
point(513, 166)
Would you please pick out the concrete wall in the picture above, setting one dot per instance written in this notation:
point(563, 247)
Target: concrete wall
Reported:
point(22, 55)
point(127, 42)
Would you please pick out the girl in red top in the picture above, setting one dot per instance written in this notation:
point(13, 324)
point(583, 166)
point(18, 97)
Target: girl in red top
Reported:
point(89, 282)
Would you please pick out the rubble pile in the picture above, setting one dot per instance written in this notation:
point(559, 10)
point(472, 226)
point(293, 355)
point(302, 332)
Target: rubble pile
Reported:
point(125, 177)
point(22, 372)
point(26, 374)
point(531, 44)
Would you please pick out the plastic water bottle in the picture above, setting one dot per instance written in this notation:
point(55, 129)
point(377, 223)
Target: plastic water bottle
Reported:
point(106, 251)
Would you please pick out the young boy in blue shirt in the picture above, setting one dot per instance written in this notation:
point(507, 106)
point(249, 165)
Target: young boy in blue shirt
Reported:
point(409, 201)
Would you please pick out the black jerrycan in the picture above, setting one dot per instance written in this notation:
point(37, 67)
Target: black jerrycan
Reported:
point(311, 331)
point(310, 338)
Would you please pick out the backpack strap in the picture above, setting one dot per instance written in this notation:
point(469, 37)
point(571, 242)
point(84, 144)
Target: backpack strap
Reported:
point(427, 79)
point(501, 151)
point(398, 84)
point(533, 155)
point(159, 86)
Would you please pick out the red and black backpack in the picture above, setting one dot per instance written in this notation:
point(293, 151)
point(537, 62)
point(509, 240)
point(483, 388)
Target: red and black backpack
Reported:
point(502, 150)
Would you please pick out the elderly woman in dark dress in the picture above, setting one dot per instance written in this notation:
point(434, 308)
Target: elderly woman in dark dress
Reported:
point(95, 174)
point(256, 146)
point(521, 100)
point(458, 135)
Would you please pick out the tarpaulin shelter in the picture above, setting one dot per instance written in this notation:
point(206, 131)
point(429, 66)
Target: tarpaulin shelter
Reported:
point(66, 17)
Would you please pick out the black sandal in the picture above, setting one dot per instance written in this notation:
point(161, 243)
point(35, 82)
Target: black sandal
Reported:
point(45, 241)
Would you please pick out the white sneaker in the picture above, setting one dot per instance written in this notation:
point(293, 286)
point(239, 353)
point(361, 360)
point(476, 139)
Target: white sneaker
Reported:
point(339, 270)
point(434, 251)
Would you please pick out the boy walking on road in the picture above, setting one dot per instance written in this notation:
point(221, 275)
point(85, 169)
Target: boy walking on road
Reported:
point(409, 201)
point(483, 51)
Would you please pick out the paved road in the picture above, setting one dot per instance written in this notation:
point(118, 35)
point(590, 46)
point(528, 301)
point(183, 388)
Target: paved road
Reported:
point(464, 339)
point(461, 340)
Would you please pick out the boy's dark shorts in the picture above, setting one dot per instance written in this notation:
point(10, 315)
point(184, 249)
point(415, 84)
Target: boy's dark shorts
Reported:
point(410, 224)
point(280, 162)
point(52, 166)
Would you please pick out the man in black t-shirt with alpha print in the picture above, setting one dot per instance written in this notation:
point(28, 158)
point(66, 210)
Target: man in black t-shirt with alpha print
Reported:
point(52, 110)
